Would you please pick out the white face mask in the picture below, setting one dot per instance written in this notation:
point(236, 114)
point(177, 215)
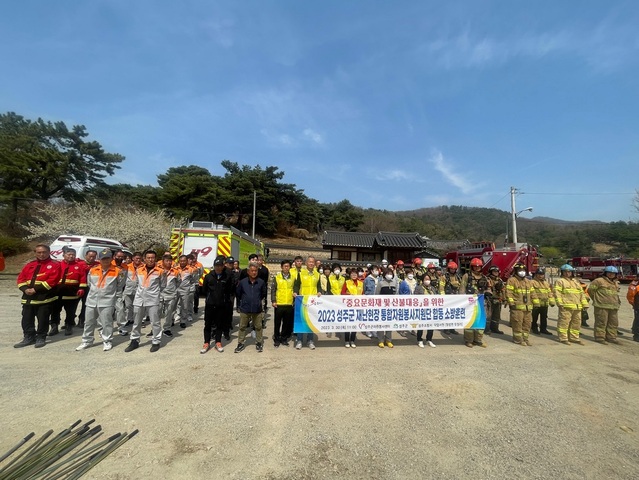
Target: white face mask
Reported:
point(337, 271)
point(388, 277)
point(521, 273)
point(410, 276)
point(426, 283)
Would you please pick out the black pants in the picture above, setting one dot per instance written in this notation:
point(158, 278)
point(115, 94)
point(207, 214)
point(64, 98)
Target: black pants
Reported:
point(420, 335)
point(635, 324)
point(196, 300)
point(349, 336)
point(214, 319)
point(283, 322)
point(84, 307)
point(70, 306)
point(29, 313)
point(540, 313)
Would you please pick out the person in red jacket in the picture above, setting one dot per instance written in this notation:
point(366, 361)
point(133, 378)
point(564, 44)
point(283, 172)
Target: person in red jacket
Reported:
point(73, 281)
point(37, 281)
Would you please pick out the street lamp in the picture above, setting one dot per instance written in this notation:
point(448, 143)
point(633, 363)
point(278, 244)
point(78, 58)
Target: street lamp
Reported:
point(515, 216)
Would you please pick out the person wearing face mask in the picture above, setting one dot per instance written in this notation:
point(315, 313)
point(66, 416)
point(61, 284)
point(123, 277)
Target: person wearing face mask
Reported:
point(426, 287)
point(605, 299)
point(325, 273)
point(386, 286)
point(571, 299)
point(520, 295)
point(370, 284)
point(450, 284)
point(433, 274)
point(407, 287)
point(497, 298)
point(475, 283)
point(352, 286)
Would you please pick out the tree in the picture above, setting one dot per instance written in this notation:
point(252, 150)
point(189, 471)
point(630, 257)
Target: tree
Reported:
point(45, 160)
point(344, 215)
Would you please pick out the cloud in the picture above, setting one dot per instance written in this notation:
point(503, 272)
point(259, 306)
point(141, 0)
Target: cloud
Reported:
point(456, 178)
point(313, 136)
point(278, 138)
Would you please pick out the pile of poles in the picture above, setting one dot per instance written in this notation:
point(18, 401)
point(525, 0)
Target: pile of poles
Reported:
point(68, 455)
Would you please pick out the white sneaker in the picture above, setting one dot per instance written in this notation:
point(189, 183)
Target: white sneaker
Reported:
point(298, 345)
point(82, 346)
point(353, 345)
point(107, 346)
point(431, 344)
point(311, 345)
point(347, 345)
point(420, 344)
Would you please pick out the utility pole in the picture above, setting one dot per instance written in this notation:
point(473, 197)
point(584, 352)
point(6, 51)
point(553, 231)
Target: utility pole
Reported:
point(513, 191)
point(254, 208)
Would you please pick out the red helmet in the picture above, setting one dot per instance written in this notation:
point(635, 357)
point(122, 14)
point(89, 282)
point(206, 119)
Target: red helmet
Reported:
point(400, 262)
point(431, 265)
point(452, 265)
point(476, 262)
point(417, 261)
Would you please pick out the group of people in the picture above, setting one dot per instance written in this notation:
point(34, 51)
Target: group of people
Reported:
point(113, 288)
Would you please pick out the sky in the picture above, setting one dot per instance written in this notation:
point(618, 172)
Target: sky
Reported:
point(395, 105)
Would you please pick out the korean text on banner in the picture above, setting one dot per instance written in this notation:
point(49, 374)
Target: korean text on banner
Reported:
point(347, 313)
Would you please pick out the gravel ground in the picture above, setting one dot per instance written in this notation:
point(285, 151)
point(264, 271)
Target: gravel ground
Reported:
point(546, 411)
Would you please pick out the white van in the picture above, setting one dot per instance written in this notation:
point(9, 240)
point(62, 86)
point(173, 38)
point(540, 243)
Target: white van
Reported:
point(82, 243)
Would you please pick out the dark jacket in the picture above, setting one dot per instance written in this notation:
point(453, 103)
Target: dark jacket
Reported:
point(218, 291)
point(250, 295)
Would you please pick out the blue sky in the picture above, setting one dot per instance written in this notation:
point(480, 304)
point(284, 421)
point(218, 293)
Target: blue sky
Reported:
point(393, 105)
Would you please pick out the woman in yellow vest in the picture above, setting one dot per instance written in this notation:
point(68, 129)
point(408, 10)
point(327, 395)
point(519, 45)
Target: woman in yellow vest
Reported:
point(282, 302)
point(307, 283)
point(352, 286)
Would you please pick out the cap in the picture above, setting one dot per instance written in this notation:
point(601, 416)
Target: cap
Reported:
point(219, 260)
point(230, 260)
point(106, 253)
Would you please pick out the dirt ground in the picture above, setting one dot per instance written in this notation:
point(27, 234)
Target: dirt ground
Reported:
point(546, 411)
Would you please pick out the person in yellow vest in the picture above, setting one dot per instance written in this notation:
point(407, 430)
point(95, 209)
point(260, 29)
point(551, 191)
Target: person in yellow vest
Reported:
point(605, 299)
point(571, 300)
point(353, 286)
point(282, 302)
point(520, 295)
point(307, 283)
point(542, 301)
point(474, 283)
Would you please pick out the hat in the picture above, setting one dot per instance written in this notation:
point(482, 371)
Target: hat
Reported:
point(219, 260)
point(230, 260)
point(106, 253)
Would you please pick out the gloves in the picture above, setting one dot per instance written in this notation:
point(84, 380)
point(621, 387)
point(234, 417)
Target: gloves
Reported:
point(80, 293)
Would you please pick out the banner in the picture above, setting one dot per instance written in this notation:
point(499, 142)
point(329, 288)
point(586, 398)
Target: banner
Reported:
point(348, 313)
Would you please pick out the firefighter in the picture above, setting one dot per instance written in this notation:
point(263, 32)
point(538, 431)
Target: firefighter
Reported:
point(449, 285)
point(474, 283)
point(399, 270)
point(543, 300)
point(633, 299)
point(520, 295)
point(37, 281)
point(418, 268)
point(584, 311)
point(106, 282)
point(606, 302)
point(570, 300)
point(71, 287)
point(433, 274)
point(496, 299)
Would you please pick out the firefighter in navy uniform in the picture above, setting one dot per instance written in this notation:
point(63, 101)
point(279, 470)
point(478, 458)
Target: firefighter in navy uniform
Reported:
point(449, 284)
point(475, 283)
point(543, 300)
point(495, 300)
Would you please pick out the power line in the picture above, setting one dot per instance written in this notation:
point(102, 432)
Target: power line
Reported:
point(579, 194)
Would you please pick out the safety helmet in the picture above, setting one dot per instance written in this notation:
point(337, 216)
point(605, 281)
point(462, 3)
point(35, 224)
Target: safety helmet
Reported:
point(519, 266)
point(540, 271)
point(493, 269)
point(566, 268)
point(400, 262)
point(431, 265)
point(476, 262)
point(384, 262)
point(611, 269)
point(451, 265)
point(417, 261)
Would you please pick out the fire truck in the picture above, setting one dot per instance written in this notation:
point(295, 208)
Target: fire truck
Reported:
point(209, 240)
point(503, 257)
point(590, 268)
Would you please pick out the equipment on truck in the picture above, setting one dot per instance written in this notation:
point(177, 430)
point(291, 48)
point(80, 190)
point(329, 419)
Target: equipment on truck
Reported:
point(505, 258)
point(209, 240)
point(590, 268)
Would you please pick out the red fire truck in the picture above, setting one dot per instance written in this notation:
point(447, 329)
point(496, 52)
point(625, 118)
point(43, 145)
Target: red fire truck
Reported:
point(503, 257)
point(590, 268)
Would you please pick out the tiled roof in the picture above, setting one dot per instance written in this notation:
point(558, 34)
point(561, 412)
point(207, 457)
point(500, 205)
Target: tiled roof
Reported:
point(400, 240)
point(349, 239)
